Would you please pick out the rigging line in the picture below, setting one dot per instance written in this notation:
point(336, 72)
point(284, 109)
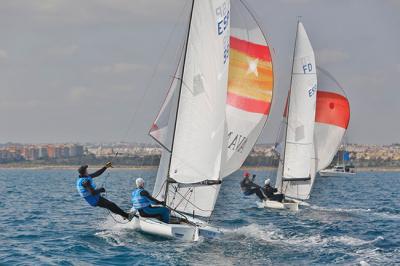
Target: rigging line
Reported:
point(179, 93)
point(288, 99)
point(155, 71)
point(105, 193)
point(191, 203)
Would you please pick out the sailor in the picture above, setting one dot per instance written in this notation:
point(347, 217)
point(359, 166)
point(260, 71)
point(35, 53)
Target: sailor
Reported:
point(248, 186)
point(143, 201)
point(87, 190)
point(269, 191)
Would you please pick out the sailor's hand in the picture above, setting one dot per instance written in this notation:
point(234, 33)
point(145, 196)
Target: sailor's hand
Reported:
point(108, 165)
point(102, 190)
point(163, 203)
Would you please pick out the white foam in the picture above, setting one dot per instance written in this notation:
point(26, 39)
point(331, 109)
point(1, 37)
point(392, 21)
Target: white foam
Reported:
point(352, 241)
point(384, 215)
point(272, 234)
point(348, 210)
point(115, 230)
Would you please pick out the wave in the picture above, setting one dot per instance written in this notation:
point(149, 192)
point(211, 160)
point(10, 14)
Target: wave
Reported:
point(378, 214)
point(272, 234)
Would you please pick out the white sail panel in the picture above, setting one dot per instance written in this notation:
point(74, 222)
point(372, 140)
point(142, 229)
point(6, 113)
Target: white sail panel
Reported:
point(162, 128)
point(250, 87)
point(301, 111)
point(300, 190)
point(200, 125)
point(162, 174)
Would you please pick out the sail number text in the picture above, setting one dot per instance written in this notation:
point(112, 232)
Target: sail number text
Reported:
point(236, 142)
point(307, 68)
point(312, 91)
point(222, 13)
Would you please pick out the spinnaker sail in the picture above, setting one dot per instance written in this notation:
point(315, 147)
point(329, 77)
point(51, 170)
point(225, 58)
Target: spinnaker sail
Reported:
point(250, 87)
point(331, 119)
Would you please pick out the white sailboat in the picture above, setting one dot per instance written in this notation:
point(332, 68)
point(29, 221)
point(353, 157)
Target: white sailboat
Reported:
point(191, 126)
point(296, 171)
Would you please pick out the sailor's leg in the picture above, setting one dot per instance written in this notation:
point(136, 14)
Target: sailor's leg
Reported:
point(158, 211)
point(278, 197)
point(105, 203)
point(259, 193)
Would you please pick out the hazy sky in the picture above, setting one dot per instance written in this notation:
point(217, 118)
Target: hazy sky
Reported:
point(74, 70)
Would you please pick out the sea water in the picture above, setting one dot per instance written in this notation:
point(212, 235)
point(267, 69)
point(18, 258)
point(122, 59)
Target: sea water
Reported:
point(350, 220)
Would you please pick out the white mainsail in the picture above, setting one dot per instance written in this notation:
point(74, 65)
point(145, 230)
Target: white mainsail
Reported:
point(250, 87)
point(297, 167)
point(199, 124)
point(331, 119)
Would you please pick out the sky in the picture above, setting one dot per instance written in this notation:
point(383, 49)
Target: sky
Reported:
point(98, 70)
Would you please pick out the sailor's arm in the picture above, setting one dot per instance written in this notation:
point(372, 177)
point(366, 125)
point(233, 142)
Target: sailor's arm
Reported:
point(91, 190)
point(101, 171)
point(144, 193)
point(98, 172)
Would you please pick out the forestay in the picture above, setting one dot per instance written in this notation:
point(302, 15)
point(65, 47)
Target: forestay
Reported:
point(250, 87)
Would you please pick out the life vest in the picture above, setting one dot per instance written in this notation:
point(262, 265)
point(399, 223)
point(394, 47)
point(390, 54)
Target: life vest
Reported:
point(81, 189)
point(138, 201)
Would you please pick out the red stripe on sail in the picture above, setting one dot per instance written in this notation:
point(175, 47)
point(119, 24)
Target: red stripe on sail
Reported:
point(248, 104)
point(251, 49)
point(332, 109)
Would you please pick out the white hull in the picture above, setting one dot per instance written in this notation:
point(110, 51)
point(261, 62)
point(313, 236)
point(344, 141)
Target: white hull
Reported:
point(183, 231)
point(292, 205)
point(329, 172)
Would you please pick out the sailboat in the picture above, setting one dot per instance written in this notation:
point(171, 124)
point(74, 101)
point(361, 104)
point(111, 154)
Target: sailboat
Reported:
point(191, 127)
point(296, 171)
point(211, 117)
point(343, 166)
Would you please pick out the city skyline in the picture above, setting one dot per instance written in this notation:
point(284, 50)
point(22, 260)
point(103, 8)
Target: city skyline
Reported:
point(76, 72)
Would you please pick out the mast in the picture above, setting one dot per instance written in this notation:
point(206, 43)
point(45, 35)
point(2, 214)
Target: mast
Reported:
point(288, 103)
point(179, 97)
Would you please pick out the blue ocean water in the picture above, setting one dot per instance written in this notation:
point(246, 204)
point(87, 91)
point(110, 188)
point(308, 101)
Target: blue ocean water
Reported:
point(351, 220)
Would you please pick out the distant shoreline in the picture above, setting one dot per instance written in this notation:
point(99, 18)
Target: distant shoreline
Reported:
point(125, 167)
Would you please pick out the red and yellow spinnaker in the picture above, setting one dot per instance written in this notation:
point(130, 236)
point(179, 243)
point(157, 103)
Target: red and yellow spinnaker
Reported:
point(250, 83)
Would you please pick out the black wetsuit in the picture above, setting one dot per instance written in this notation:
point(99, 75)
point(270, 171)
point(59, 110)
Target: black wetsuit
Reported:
point(103, 202)
point(249, 187)
point(269, 192)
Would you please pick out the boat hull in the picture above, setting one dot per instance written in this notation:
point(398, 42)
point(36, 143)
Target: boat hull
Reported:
point(270, 204)
point(328, 173)
point(183, 231)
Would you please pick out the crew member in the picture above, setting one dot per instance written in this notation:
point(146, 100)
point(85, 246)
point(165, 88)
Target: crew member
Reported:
point(143, 201)
point(248, 186)
point(270, 191)
point(87, 190)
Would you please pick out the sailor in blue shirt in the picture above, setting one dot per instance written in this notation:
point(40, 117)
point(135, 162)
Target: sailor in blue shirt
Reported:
point(142, 201)
point(87, 190)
